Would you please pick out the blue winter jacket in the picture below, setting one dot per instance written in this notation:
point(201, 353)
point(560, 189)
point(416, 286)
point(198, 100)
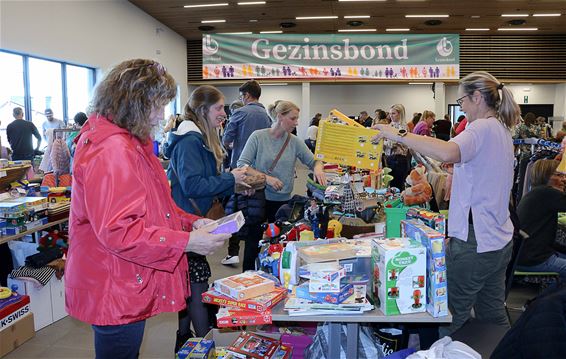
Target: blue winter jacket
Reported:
point(192, 170)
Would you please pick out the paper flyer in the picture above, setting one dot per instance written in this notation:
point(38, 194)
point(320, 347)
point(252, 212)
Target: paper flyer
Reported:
point(348, 145)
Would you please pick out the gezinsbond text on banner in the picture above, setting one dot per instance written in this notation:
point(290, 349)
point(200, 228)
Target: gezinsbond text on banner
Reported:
point(319, 56)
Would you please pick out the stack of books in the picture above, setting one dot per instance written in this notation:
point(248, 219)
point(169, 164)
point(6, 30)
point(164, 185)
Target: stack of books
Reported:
point(245, 299)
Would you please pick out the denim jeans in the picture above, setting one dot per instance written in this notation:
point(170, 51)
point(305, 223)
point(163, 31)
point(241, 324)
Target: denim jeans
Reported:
point(118, 341)
point(555, 263)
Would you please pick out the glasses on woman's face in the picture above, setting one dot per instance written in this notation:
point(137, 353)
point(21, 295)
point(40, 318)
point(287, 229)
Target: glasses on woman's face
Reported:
point(461, 100)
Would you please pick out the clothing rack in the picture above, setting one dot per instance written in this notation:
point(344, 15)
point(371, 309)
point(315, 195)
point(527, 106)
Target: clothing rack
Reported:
point(536, 142)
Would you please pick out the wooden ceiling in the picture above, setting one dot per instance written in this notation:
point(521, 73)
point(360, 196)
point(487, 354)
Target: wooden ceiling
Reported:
point(384, 14)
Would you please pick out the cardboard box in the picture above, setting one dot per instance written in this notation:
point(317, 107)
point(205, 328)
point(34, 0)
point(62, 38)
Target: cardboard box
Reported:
point(437, 291)
point(346, 290)
point(244, 286)
point(16, 334)
point(236, 317)
point(229, 224)
point(399, 266)
point(225, 337)
point(257, 304)
point(433, 220)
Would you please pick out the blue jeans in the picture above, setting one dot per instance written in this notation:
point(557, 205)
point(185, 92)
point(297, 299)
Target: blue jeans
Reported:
point(118, 341)
point(555, 263)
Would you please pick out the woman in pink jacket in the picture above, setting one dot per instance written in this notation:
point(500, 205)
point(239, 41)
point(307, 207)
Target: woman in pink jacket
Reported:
point(126, 259)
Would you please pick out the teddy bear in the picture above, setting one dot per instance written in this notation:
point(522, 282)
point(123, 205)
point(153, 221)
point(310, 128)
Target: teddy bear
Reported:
point(420, 191)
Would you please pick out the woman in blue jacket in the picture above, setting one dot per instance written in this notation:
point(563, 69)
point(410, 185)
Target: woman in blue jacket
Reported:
point(196, 157)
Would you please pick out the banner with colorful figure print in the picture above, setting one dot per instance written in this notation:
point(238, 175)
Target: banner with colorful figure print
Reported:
point(319, 56)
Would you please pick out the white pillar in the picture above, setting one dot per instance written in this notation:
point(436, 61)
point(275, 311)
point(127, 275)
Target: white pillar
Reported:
point(305, 110)
point(440, 108)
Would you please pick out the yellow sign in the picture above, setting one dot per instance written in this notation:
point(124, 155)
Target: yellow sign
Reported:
point(562, 166)
point(348, 145)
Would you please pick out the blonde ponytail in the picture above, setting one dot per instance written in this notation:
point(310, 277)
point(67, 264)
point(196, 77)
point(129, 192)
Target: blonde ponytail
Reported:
point(280, 107)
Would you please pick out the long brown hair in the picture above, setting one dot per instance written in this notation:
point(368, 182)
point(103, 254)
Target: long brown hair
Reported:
point(130, 91)
point(508, 111)
point(196, 110)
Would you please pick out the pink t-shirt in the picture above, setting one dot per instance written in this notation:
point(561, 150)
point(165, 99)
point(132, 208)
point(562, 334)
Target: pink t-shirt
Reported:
point(422, 129)
point(482, 181)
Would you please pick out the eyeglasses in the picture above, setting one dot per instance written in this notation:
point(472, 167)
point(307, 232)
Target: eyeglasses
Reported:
point(461, 100)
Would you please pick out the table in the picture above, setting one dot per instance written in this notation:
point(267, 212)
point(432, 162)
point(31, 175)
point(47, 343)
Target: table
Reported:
point(33, 230)
point(353, 325)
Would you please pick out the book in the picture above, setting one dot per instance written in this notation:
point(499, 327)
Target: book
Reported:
point(257, 304)
point(327, 252)
point(250, 345)
point(236, 317)
point(244, 286)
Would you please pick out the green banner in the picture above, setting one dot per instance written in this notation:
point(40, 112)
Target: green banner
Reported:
point(319, 56)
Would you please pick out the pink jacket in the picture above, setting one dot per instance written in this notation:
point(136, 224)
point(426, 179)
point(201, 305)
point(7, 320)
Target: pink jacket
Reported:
point(126, 259)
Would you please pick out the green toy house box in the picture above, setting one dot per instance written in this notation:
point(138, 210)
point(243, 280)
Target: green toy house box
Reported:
point(399, 274)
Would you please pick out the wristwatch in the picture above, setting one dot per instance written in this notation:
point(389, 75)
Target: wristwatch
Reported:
point(402, 132)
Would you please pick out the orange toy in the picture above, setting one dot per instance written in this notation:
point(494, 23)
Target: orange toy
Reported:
point(420, 191)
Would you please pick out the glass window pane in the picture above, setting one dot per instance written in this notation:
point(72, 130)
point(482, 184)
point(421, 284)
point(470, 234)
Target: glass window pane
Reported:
point(46, 91)
point(11, 91)
point(79, 86)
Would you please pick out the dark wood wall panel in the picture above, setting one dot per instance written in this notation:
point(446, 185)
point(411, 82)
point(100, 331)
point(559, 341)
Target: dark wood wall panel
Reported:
point(513, 57)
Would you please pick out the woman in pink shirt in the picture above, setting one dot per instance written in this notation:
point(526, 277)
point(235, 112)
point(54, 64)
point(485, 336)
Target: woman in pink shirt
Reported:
point(424, 127)
point(479, 225)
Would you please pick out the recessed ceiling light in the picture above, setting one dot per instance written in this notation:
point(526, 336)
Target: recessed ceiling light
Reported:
point(316, 17)
point(357, 30)
point(477, 29)
point(429, 16)
point(271, 32)
point(399, 29)
point(205, 5)
point(235, 33)
point(211, 21)
point(361, 0)
point(252, 3)
point(357, 17)
point(557, 14)
point(253, 20)
point(420, 83)
point(514, 15)
point(518, 29)
point(475, 16)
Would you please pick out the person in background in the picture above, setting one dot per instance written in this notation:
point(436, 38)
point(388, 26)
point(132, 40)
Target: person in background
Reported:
point(242, 124)
point(312, 132)
point(424, 126)
point(260, 153)
point(127, 261)
point(20, 135)
point(442, 128)
point(479, 223)
point(560, 135)
point(196, 178)
point(397, 155)
point(528, 128)
point(538, 216)
point(545, 129)
point(381, 117)
point(461, 125)
point(365, 120)
point(51, 122)
point(411, 124)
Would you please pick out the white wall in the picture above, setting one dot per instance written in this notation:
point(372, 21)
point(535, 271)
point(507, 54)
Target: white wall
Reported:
point(91, 32)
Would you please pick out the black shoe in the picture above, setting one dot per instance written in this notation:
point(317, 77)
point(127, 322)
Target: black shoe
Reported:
point(181, 339)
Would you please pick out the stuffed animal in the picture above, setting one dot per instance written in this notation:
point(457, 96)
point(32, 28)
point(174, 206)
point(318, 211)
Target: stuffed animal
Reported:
point(420, 191)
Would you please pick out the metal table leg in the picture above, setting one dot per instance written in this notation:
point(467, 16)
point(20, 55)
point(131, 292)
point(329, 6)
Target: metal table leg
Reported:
point(334, 340)
point(352, 340)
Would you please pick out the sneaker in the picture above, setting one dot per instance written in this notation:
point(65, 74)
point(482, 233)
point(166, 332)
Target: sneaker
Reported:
point(230, 260)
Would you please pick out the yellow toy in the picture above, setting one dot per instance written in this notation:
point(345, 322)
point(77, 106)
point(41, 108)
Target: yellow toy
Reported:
point(336, 227)
point(5, 292)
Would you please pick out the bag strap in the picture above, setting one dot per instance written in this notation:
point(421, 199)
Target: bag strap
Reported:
point(195, 206)
point(279, 154)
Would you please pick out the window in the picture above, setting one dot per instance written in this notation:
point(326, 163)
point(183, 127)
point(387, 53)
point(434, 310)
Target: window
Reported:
point(46, 90)
point(80, 82)
point(12, 92)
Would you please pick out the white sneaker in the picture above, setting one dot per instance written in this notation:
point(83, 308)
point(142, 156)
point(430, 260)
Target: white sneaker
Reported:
point(230, 260)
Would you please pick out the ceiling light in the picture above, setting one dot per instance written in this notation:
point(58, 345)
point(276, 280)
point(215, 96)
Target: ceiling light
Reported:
point(205, 5)
point(252, 3)
point(361, 0)
point(518, 29)
point(253, 20)
point(420, 83)
point(547, 14)
point(399, 29)
point(271, 32)
point(514, 15)
point(316, 17)
point(235, 33)
point(211, 21)
point(475, 16)
point(432, 16)
point(357, 17)
point(357, 30)
point(477, 29)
